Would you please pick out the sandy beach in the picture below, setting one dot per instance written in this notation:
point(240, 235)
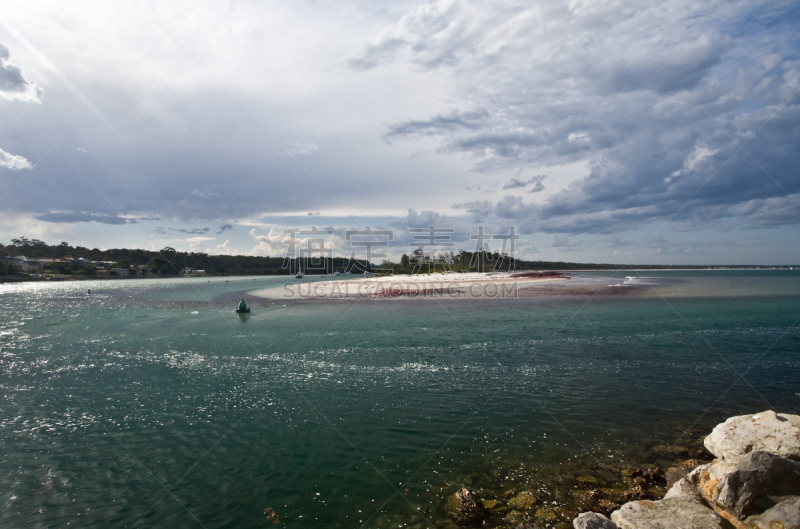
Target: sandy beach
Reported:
point(489, 285)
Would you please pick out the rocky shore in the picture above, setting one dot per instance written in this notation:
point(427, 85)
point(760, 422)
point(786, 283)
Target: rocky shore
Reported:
point(753, 482)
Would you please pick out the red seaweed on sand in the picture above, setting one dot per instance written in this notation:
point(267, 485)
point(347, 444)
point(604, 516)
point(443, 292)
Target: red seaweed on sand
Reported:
point(544, 274)
point(395, 292)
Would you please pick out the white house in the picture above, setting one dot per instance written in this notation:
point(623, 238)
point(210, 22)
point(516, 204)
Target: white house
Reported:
point(26, 263)
point(121, 272)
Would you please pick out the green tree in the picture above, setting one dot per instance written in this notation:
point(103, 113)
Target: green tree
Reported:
point(7, 269)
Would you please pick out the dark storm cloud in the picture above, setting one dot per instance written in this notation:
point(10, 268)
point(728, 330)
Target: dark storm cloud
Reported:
point(437, 125)
point(516, 183)
point(666, 104)
point(663, 71)
point(686, 112)
point(193, 231)
point(415, 30)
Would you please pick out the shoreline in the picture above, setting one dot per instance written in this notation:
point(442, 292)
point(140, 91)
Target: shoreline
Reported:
point(25, 279)
point(487, 285)
point(727, 479)
point(452, 286)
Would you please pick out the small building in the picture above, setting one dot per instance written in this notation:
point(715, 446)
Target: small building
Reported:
point(26, 263)
point(33, 264)
point(13, 261)
point(121, 272)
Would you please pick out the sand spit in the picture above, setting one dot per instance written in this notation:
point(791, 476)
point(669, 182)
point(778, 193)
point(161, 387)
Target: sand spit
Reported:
point(490, 285)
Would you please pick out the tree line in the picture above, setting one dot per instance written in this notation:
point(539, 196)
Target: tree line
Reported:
point(169, 261)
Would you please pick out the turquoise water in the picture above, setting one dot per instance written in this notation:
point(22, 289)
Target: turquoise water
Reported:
point(149, 403)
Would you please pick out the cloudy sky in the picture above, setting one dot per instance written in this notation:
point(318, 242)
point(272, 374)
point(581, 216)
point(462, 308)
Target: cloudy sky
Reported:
point(618, 131)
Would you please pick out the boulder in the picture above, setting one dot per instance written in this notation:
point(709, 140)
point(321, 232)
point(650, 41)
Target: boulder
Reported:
point(680, 471)
point(671, 513)
point(785, 515)
point(592, 520)
point(776, 433)
point(707, 477)
point(465, 509)
point(758, 478)
point(718, 469)
point(684, 488)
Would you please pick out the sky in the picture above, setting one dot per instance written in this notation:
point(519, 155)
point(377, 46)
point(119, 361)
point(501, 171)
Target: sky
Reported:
point(631, 132)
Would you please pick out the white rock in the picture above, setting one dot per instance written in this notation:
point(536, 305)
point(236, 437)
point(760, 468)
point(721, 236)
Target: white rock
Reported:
point(670, 513)
point(718, 469)
point(683, 487)
point(777, 433)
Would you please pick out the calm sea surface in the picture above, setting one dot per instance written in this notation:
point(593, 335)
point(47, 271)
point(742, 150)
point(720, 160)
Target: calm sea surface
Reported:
point(149, 403)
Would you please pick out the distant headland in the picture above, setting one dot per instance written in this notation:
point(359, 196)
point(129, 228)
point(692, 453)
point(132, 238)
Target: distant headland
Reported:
point(32, 259)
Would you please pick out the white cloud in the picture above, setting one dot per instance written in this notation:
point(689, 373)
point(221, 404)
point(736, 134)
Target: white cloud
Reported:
point(607, 99)
point(294, 149)
point(273, 244)
point(13, 84)
point(194, 241)
point(14, 161)
point(277, 244)
point(204, 194)
point(224, 249)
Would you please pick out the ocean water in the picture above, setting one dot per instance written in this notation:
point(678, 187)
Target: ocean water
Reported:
point(150, 404)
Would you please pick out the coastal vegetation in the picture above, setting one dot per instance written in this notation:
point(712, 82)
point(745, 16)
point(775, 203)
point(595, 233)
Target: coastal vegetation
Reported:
point(7, 269)
point(170, 262)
